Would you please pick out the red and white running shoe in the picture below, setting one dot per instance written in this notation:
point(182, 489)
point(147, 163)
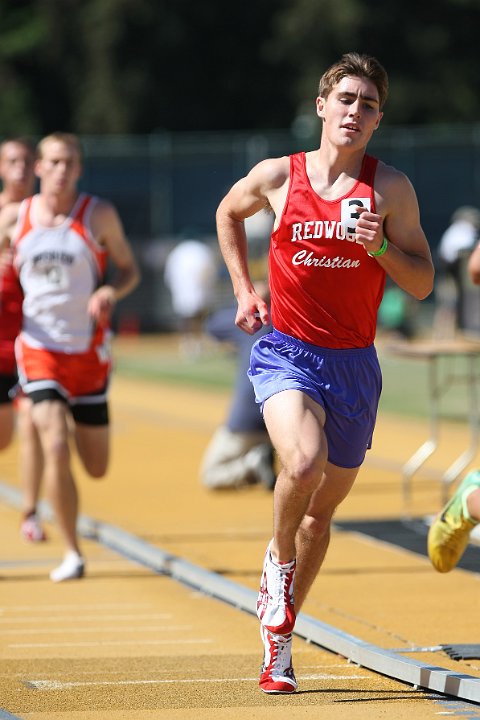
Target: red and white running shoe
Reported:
point(277, 676)
point(275, 604)
point(31, 529)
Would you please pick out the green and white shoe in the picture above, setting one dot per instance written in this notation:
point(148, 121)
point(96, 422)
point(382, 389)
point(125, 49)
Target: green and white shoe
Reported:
point(450, 532)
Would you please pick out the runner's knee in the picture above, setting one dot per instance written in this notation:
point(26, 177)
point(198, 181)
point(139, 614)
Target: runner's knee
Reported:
point(305, 473)
point(315, 527)
point(96, 466)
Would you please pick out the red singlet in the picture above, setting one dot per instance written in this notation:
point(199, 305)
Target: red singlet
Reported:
point(325, 288)
point(11, 298)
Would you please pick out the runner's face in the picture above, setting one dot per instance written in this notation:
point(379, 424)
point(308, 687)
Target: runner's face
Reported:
point(351, 112)
point(59, 168)
point(16, 165)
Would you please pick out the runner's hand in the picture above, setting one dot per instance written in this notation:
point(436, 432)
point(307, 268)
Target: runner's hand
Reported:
point(252, 313)
point(101, 304)
point(369, 230)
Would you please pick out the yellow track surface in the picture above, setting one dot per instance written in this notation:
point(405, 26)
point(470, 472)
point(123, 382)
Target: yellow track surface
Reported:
point(127, 643)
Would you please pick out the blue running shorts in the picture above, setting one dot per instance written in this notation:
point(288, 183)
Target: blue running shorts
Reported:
point(346, 383)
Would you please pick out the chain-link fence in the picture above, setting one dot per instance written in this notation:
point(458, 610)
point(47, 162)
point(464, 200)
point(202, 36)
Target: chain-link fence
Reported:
point(167, 187)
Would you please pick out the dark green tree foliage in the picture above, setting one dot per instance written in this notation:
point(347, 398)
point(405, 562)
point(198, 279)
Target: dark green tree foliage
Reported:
point(180, 65)
point(429, 48)
point(137, 66)
point(21, 34)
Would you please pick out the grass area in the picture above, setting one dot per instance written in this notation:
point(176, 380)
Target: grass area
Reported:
point(406, 387)
point(162, 360)
point(405, 381)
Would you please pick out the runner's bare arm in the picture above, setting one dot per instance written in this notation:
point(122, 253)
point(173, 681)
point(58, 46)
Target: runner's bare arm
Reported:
point(8, 219)
point(408, 259)
point(108, 230)
point(473, 265)
point(248, 196)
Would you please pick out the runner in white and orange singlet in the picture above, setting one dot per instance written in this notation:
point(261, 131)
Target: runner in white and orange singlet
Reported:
point(62, 240)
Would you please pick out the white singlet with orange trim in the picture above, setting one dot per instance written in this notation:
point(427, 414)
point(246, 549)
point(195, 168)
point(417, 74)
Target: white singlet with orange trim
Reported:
point(59, 268)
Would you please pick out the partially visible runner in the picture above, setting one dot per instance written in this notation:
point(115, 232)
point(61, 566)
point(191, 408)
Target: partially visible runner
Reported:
point(343, 220)
point(450, 532)
point(17, 157)
point(62, 242)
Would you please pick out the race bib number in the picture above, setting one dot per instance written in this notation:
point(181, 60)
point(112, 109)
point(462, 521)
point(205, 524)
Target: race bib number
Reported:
point(350, 213)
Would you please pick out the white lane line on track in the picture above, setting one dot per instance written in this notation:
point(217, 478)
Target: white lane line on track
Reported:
point(60, 685)
point(79, 618)
point(173, 641)
point(86, 606)
point(74, 631)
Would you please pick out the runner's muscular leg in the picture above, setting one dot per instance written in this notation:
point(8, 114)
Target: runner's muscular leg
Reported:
point(31, 455)
point(313, 535)
point(93, 446)
point(7, 424)
point(50, 419)
point(295, 425)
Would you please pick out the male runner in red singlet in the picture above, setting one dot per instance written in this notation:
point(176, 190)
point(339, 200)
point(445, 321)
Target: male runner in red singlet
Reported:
point(17, 157)
point(343, 220)
point(18, 178)
point(62, 241)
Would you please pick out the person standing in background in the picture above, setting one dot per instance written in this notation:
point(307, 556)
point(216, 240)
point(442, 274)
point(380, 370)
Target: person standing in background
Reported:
point(17, 156)
point(458, 240)
point(240, 452)
point(62, 241)
point(190, 275)
point(450, 532)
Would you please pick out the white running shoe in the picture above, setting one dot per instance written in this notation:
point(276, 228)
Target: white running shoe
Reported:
point(275, 604)
point(31, 529)
point(277, 676)
point(72, 568)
